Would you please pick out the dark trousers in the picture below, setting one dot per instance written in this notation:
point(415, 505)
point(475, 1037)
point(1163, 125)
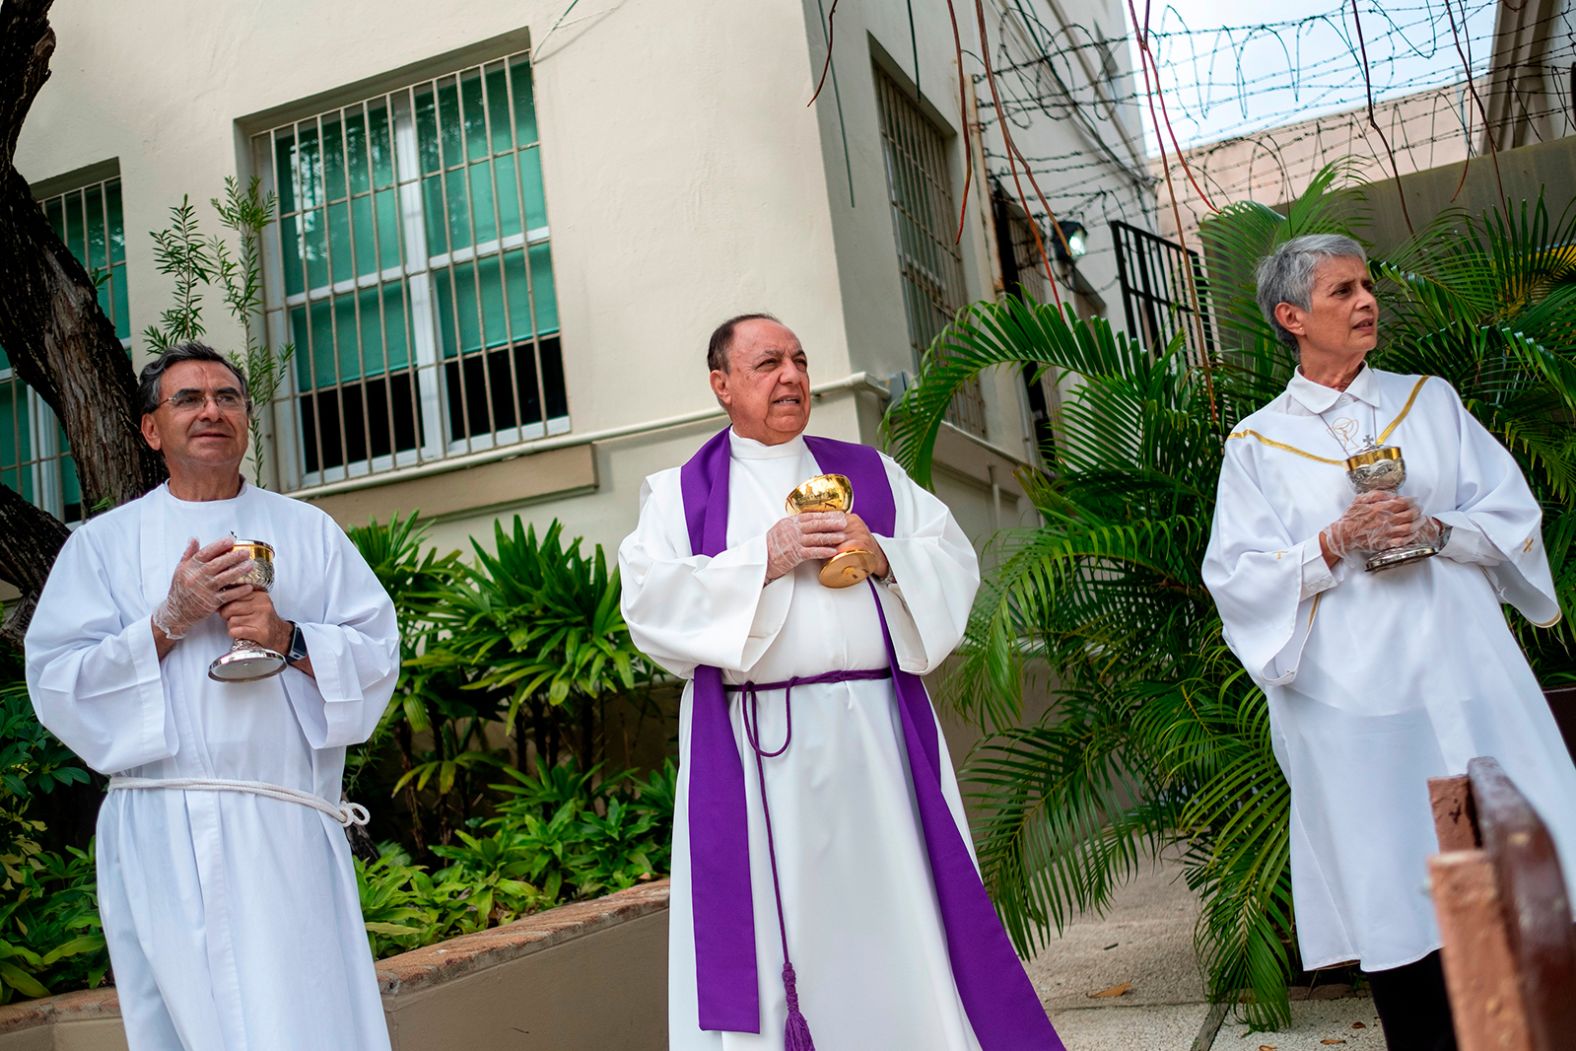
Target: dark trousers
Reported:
point(1413, 1006)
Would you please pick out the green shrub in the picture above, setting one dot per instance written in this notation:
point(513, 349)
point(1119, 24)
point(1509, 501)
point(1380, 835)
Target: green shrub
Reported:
point(559, 835)
point(50, 936)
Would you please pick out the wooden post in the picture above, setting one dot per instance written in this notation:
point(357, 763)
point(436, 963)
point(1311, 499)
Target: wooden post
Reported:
point(1480, 973)
point(1455, 823)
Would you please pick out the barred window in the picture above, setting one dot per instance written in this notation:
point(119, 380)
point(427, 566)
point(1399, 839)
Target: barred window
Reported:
point(35, 458)
point(410, 266)
point(924, 217)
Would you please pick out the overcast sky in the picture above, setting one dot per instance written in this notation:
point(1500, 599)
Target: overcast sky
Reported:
point(1226, 71)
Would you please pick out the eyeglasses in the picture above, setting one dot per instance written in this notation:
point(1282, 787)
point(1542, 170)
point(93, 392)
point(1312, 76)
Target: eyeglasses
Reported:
point(227, 400)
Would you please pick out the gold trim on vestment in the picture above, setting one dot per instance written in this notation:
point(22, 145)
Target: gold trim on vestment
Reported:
point(1282, 445)
point(1411, 398)
point(1549, 623)
point(1404, 410)
point(1314, 612)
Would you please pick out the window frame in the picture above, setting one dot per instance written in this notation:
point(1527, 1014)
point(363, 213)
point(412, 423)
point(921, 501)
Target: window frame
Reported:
point(416, 275)
point(45, 463)
point(899, 108)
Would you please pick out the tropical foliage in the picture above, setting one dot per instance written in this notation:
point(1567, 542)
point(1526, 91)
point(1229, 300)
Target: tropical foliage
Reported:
point(1156, 736)
point(49, 929)
point(560, 835)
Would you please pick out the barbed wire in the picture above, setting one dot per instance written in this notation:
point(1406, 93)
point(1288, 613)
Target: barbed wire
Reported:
point(1424, 109)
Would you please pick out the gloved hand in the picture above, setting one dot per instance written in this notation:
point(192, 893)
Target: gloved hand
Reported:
point(1375, 521)
point(204, 580)
point(800, 538)
point(1429, 530)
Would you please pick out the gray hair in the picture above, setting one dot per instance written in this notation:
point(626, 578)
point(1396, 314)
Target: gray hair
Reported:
point(1286, 274)
point(148, 379)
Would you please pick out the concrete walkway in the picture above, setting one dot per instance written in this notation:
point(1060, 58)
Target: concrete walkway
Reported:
point(1130, 982)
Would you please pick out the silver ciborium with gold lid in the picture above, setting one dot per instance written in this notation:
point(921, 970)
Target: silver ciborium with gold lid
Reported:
point(1381, 468)
point(248, 661)
point(833, 492)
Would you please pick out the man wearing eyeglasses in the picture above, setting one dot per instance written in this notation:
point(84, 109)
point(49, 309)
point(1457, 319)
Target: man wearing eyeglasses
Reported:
point(224, 877)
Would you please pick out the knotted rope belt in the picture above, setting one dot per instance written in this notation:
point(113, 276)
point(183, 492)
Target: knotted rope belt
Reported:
point(752, 730)
point(346, 813)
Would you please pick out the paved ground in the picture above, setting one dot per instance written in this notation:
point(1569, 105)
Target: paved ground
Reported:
point(1129, 982)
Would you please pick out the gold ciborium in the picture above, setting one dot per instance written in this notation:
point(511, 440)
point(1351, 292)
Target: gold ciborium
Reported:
point(833, 492)
point(1380, 468)
point(248, 661)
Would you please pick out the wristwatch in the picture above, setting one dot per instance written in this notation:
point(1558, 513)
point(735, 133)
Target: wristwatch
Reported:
point(297, 651)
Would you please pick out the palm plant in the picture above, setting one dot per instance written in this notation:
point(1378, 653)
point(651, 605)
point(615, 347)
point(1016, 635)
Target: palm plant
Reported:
point(432, 723)
point(537, 625)
point(1156, 736)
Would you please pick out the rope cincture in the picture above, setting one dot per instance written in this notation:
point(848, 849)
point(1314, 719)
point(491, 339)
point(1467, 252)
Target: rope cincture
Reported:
point(796, 1030)
point(345, 812)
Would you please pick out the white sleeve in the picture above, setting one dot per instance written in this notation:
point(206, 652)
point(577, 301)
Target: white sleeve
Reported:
point(1259, 575)
point(93, 672)
point(685, 610)
point(934, 573)
point(353, 643)
point(1494, 502)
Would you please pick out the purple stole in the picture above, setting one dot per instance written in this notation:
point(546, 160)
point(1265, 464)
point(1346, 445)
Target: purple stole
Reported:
point(1002, 1005)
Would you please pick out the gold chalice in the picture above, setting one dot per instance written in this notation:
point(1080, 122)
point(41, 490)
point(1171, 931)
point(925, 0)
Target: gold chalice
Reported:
point(1380, 468)
point(833, 492)
point(248, 661)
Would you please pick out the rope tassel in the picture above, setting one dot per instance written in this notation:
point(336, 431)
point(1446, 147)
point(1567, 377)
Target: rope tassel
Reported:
point(796, 1031)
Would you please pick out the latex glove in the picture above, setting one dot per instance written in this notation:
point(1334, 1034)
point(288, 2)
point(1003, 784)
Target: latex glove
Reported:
point(802, 538)
point(860, 537)
point(1429, 530)
point(1375, 521)
point(204, 579)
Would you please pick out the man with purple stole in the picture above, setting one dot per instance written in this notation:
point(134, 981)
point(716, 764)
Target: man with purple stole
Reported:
point(823, 877)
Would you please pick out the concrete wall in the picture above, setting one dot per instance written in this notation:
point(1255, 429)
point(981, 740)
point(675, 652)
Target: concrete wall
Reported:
point(590, 976)
point(1529, 94)
point(1426, 130)
point(1525, 173)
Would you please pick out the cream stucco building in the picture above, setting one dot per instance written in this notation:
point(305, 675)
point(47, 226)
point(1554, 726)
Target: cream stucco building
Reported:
point(507, 226)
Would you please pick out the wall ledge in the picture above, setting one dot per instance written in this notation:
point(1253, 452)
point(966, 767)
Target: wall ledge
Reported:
point(409, 971)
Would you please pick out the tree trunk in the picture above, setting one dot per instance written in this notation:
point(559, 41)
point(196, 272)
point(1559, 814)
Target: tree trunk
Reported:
point(58, 339)
point(407, 746)
point(539, 727)
point(32, 540)
point(587, 734)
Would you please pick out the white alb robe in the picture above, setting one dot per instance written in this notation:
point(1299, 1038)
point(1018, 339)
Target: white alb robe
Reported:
point(1378, 681)
point(233, 920)
point(864, 928)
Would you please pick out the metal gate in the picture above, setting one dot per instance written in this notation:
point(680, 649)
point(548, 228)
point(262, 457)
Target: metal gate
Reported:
point(1156, 298)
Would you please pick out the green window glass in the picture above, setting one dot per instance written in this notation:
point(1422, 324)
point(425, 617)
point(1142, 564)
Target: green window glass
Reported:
point(35, 457)
point(414, 275)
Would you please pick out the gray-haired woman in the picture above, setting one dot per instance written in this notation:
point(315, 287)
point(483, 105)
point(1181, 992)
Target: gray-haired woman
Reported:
point(1377, 681)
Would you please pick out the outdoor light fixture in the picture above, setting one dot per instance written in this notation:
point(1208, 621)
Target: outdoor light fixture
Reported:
point(1069, 240)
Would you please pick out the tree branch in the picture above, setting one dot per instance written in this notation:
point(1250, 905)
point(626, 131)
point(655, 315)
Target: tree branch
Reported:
point(33, 539)
point(58, 340)
point(26, 43)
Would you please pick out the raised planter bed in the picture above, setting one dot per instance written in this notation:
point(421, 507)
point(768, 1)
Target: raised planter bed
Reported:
point(591, 975)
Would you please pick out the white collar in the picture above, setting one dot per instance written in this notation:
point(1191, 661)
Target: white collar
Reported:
point(1316, 397)
point(743, 448)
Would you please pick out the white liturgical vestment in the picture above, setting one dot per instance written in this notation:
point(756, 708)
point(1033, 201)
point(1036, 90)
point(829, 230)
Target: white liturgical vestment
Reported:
point(1377, 682)
point(232, 919)
point(864, 929)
